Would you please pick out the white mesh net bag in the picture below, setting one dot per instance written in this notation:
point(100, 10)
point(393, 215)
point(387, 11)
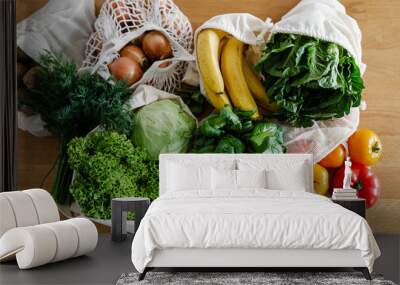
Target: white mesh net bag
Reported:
point(327, 20)
point(121, 21)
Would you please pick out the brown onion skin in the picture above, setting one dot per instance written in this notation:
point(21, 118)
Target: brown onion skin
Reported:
point(32, 78)
point(165, 64)
point(127, 69)
point(135, 53)
point(156, 46)
point(120, 10)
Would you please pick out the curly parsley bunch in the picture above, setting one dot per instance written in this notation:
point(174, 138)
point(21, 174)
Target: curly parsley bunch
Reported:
point(108, 166)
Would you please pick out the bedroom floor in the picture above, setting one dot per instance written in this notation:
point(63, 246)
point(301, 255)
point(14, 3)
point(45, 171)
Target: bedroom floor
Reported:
point(110, 260)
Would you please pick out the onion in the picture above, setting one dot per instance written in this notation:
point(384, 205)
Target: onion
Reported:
point(32, 77)
point(156, 46)
point(135, 53)
point(120, 11)
point(127, 69)
point(165, 64)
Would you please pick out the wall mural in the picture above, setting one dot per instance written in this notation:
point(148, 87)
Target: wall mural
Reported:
point(101, 114)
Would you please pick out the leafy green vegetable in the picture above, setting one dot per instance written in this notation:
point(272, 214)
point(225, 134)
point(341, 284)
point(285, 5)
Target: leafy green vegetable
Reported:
point(193, 98)
point(230, 144)
point(163, 127)
point(267, 137)
point(71, 104)
point(108, 166)
point(309, 79)
point(231, 131)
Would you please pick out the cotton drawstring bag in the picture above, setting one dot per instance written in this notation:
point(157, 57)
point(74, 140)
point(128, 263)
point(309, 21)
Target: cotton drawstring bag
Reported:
point(61, 27)
point(243, 26)
point(120, 22)
point(326, 20)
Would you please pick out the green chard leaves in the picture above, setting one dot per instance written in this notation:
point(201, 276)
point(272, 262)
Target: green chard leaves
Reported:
point(309, 79)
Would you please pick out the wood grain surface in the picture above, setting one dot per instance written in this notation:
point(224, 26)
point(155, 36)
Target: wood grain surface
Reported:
point(379, 22)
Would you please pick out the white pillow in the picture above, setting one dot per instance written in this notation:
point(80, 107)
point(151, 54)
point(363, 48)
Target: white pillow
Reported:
point(251, 179)
point(182, 177)
point(282, 174)
point(223, 179)
point(230, 180)
point(290, 180)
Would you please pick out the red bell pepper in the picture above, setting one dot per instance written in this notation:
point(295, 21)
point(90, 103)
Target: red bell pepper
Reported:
point(363, 180)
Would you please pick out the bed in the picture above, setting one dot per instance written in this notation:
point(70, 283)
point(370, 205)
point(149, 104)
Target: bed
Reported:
point(246, 211)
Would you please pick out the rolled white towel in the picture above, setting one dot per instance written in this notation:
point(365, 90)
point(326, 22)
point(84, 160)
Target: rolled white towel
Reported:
point(40, 244)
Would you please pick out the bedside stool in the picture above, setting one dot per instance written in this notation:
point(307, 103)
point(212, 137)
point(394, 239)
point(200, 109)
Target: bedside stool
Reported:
point(355, 205)
point(119, 209)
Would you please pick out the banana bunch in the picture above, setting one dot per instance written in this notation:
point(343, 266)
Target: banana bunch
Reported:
point(227, 76)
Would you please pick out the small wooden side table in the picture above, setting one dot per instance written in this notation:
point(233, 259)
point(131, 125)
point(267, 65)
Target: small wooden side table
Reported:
point(355, 205)
point(119, 209)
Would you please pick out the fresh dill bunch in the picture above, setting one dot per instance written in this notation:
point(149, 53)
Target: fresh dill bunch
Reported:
point(72, 103)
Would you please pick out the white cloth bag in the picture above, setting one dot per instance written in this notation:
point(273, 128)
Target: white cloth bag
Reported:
point(146, 94)
point(243, 26)
point(324, 19)
point(120, 22)
point(327, 20)
point(61, 26)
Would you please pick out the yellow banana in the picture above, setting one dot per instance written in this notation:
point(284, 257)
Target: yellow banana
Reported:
point(207, 58)
point(218, 101)
point(256, 88)
point(220, 33)
point(232, 71)
point(222, 43)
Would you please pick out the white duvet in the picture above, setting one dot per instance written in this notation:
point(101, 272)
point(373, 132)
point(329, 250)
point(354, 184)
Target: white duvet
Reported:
point(250, 219)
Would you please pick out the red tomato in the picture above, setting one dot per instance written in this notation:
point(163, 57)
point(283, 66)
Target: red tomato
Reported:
point(363, 180)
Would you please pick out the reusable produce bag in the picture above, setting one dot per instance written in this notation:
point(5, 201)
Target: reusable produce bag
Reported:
point(120, 22)
point(60, 27)
point(146, 94)
point(243, 26)
point(324, 19)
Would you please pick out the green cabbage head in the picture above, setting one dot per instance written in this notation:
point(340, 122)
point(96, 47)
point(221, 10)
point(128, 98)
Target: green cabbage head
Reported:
point(163, 127)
